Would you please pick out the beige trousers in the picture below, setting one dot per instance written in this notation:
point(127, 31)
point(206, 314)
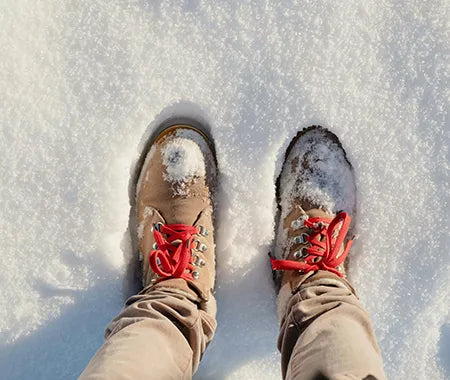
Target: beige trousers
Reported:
point(162, 333)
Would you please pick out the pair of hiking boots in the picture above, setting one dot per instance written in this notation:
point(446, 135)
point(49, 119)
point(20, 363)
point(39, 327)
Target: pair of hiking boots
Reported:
point(175, 211)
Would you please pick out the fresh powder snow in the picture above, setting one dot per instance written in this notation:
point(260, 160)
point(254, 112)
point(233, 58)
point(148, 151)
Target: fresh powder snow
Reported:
point(84, 85)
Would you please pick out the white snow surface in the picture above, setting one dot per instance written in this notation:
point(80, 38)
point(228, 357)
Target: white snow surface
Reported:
point(84, 83)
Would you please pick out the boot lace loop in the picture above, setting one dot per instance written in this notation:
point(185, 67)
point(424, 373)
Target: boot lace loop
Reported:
point(326, 241)
point(173, 256)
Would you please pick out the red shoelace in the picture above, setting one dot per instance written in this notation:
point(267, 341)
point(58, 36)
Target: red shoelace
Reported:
point(323, 229)
point(173, 256)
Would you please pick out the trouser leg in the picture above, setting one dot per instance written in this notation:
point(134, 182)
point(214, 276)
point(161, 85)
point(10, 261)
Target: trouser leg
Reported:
point(326, 334)
point(159, 334)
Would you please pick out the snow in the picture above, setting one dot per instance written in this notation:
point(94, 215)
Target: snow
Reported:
point(183, 160)
point(148, 211)
point(316, 171)
point(81, 81)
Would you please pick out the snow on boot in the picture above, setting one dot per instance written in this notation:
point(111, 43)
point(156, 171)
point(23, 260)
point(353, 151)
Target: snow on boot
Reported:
point(175, 212)
point(316, 199)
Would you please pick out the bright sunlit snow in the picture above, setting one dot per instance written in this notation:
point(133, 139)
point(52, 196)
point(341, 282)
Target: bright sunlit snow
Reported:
point(84, 83)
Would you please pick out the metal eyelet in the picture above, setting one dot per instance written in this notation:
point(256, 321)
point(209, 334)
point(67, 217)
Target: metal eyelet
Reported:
point(155, 246)
point(296, 224)
point(298, 239)
point(196, 275)
point(157, 226)
point(319, 226)
point(203, 231)
point(301, 239)
point(301, 254)
point(203, 247)
point(199, 262)
point(196, 244)
point(299, 222)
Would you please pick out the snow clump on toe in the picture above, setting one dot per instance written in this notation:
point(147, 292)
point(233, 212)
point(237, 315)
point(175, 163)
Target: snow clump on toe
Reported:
point(318, 172)
point(183, 160)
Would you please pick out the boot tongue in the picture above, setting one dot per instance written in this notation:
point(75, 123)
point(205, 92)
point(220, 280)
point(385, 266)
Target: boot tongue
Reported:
point(303, 209)
point(318, 213)
point(183, 211)
point(293, 221)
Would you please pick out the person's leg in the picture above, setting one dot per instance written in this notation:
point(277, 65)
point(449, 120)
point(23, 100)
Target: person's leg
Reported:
point(160, 334)
point(163, 331)
point(324, 332)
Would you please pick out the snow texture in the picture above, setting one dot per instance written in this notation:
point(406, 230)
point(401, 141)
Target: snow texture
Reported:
point(317, 172)
point(81, 80)
point(148, 211)
point(183, 160)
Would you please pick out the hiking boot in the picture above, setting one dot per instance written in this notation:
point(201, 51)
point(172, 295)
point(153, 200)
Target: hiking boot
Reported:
point(175, 212)
point(316, 200)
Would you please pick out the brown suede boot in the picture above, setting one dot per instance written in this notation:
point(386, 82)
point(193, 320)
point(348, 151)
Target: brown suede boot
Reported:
point(175, 213)
point(316, 199)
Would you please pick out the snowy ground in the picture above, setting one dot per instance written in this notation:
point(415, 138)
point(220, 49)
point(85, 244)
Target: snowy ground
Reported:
point(81, 81)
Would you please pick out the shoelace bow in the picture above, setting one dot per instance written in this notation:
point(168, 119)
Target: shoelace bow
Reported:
point(173, 256)
point(328, 249)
